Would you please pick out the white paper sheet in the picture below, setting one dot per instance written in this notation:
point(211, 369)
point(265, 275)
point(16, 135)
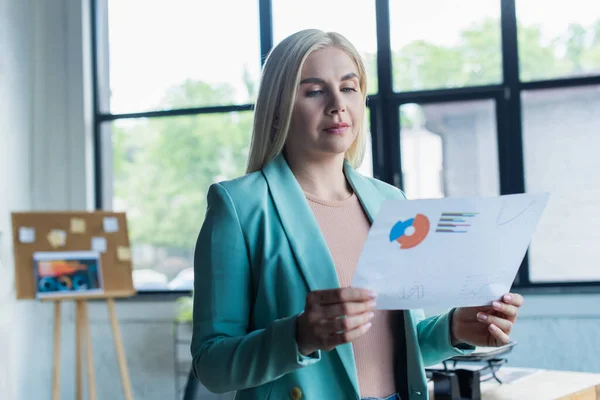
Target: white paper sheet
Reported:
point(111, 224)
point(26, 234)
point(99, 244)
point(447, 252)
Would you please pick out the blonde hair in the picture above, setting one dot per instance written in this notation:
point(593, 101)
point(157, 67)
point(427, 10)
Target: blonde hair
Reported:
point(277, 94)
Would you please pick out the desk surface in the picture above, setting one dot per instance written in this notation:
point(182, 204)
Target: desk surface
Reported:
point(542, 385)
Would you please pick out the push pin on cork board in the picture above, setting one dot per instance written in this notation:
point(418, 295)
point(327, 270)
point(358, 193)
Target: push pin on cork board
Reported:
point(78, 256)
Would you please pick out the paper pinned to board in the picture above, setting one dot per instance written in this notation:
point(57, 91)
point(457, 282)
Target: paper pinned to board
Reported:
point(110, 224)
point(123, 253)
point(26, 234)
point(77, 225)
point(447, 252)
point(57, 238)
point(99, 244)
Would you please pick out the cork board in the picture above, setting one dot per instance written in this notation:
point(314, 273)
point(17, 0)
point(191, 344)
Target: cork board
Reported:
point(73, 231)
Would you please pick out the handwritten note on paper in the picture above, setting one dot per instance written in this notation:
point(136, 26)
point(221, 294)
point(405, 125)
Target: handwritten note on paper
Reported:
point(447, 252)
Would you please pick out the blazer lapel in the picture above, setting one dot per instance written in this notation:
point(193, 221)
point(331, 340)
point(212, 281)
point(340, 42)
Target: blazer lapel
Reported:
point(414, 359)
point(307, 242)
point(300, 226)
point(368, 195)
point(305, 237)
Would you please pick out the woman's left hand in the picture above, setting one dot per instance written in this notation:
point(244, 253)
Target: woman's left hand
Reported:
point(486, 326)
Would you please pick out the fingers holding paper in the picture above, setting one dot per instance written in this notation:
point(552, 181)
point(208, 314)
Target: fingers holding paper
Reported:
point(486, 326)
point(499, 328)
point(332, 317)
point(509, 306)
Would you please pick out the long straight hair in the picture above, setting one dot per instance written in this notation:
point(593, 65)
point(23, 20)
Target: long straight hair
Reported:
point(277, 94)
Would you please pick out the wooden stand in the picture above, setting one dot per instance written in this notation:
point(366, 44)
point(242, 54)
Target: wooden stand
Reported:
point(82, 332)
point(79, 229)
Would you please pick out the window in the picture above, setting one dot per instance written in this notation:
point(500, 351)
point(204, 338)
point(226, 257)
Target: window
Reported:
point(449, 149)
point(558, 39)
point(366, 168)
point(165, 57)
point(443, 44)
point(174, 117)
point(477, 98)
point(561, 135)
point(162, 168)
point(332, 15)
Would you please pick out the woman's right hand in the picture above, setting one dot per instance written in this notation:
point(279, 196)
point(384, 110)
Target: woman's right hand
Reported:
point(333, 317)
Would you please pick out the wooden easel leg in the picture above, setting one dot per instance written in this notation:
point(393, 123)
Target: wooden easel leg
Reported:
point(78, 366)
point(119, 349)
point(88, 348)
point(56, 370)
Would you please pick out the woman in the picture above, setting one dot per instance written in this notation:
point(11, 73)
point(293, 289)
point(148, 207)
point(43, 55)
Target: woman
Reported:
point(274, 316)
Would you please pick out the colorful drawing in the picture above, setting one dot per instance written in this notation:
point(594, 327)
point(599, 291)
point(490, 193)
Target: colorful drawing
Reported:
point(63, 273)
point(454, 222)
point(419, 225)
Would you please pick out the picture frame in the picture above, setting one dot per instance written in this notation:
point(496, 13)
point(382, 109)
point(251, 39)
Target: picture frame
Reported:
point(73, 273)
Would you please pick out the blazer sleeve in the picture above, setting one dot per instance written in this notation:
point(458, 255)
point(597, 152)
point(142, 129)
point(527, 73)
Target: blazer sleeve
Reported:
point(434, 338)
point(226, 356)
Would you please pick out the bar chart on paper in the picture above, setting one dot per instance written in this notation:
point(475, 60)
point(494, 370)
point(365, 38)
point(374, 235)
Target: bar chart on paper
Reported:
point(452, 222)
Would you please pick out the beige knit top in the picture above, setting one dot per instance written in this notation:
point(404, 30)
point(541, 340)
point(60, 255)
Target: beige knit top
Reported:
point(345, 226)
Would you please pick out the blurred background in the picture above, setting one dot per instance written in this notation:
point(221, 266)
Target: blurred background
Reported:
point(139, 105)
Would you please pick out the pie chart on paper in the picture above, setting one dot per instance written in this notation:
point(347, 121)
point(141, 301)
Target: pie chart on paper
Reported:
point(420, 227)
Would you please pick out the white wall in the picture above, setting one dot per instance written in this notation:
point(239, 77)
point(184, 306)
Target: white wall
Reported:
point(15, 128)
point(45, 134)
point(13, 118)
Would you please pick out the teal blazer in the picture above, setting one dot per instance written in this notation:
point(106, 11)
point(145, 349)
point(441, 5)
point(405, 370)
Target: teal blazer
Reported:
point(259, 253)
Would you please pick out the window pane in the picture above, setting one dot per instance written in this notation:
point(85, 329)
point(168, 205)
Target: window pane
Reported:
point(161, 171)
point(332, 15)
point(366, 168)
point(445, 44)
point(449, 149)
point(181, 53)
point(561, 138)
point(558, 39)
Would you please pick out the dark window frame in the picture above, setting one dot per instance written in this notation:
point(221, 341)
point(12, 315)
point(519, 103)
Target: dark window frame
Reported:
point(385, 108)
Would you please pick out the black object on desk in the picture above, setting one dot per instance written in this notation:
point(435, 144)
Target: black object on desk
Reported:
point(460, 384)
point(452, 383)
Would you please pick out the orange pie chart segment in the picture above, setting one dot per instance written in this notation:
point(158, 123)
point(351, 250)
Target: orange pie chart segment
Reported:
point(421, 225)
